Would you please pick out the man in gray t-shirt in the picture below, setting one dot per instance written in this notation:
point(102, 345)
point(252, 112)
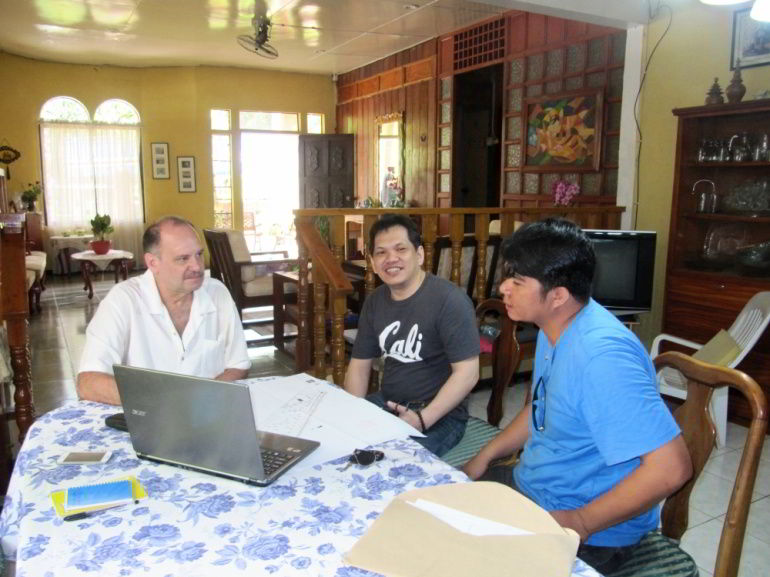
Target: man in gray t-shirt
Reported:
point(425, 327)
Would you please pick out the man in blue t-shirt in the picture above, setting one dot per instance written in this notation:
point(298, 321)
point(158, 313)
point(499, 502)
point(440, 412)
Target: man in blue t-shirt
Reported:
point(600, 449)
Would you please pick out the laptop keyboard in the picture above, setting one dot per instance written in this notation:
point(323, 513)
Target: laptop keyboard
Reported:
point(273, 460)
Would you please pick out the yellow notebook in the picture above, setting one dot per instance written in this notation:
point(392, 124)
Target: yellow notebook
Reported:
point(59, 498)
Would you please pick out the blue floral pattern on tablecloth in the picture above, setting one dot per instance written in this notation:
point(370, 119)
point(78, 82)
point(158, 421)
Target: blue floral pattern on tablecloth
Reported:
point(196, 524)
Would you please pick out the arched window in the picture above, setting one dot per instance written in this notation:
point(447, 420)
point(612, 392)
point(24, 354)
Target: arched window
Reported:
point(64, 109)
point(116, 111)
point(91, 167)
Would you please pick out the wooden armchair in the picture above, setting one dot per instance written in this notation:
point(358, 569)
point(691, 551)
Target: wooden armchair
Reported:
point(504, 358)
point(659, 553)
point(247, 276)
point(442, 264)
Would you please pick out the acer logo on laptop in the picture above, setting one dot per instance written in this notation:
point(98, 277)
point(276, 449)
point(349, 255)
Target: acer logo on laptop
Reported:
point(138, 413)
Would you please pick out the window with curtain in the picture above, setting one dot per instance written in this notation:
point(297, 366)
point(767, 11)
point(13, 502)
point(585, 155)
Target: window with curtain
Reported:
point(92, 166)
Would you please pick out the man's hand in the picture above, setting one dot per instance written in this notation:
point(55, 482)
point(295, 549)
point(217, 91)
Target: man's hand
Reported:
point(476, 467)
point(407, 415)
point(573, 520)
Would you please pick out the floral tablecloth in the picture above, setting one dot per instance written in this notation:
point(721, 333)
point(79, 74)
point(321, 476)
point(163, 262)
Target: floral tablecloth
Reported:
point(194, 524)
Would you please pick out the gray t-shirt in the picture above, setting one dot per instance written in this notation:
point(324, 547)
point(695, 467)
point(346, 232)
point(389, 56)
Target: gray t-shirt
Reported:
point(419, 337)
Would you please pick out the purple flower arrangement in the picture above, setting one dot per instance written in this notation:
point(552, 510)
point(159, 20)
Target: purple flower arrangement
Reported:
point(564, 192)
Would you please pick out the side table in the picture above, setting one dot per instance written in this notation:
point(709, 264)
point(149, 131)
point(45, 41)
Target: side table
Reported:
point(90, 261)
point(65, 244)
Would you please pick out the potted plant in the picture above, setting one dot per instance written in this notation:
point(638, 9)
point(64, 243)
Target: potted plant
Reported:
point(31, 194)
point(100, 226)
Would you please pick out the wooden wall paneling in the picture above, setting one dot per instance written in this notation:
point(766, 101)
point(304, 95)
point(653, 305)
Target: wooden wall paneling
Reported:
point(446, 62)
point(554, 30)
point(517, 34)
point(575, 29)
point(535, 31)
point(431, 145)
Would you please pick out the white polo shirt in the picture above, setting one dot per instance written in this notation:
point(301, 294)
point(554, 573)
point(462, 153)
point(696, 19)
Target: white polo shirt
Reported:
point(133, 327)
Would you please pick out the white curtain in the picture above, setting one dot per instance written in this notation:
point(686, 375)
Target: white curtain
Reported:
point(118, 184)
point(89, 169)
point(68, 175)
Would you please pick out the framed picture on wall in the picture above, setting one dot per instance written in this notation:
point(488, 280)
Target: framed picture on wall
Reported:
point(751, 41)
point(185, 166)
point(160, 168)
point(564, 132)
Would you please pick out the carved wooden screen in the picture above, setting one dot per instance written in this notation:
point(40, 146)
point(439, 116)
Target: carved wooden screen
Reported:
point(480, 45)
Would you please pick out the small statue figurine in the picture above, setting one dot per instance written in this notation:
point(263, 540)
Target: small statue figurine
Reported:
point(714, 95)
point(736, 89)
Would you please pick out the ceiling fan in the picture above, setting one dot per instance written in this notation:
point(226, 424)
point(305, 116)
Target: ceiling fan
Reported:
point(258, 42)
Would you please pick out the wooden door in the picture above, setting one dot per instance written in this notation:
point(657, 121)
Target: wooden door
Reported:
point(326, 171)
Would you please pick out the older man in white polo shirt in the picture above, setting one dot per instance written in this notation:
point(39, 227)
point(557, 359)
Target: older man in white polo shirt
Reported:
point(172, 318)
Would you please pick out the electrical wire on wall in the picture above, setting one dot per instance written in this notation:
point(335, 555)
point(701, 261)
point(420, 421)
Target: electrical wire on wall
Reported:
point(653, 13)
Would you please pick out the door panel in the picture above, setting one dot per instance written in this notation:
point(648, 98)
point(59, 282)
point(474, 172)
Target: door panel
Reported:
point(327, 170)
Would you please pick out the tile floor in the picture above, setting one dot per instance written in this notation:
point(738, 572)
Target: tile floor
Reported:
point(57, 336)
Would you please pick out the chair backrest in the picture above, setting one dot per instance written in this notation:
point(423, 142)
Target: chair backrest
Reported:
point(223, 265)
point(442, 263)
point(698, 432)
point(505, 356)
point(750, 324)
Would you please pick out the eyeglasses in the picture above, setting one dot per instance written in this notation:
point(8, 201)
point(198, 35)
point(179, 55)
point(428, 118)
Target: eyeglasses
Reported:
point(363, 457)
point(538, 405)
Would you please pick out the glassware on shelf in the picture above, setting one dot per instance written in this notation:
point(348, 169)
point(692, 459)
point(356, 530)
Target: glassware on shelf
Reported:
point(761, 150)
point(707, 199)
point(752, 197)
point(739, 148)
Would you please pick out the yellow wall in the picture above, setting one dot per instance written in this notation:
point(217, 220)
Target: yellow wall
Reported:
point(173, 104)
point(695, 50)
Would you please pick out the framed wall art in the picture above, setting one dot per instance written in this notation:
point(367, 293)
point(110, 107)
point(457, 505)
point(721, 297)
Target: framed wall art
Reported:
point(186, 173)
point(751, 41)
point(564, 132)
point(160, 168)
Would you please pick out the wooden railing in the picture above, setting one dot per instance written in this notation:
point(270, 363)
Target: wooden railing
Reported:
point(15, 311)
point(329, 279)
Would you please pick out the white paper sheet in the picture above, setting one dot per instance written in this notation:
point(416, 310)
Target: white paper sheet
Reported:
point(466, 522)
point(339, 421)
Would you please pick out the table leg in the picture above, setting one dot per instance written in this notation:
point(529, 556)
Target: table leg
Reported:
point(87, 268)
point(124, 268)
point(116, 268)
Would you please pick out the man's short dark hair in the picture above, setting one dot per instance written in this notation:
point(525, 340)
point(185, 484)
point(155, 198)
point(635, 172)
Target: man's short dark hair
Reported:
point(151, 236)
point(555, 252)
point(387, 221)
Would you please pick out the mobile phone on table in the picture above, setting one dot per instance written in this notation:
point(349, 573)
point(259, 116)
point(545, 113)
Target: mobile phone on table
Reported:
point(85, 458)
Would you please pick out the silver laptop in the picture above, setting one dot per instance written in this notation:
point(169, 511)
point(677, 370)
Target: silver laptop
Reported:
point(204, 425)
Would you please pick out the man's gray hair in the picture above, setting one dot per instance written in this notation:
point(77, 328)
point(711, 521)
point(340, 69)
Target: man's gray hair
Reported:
point(151, 237)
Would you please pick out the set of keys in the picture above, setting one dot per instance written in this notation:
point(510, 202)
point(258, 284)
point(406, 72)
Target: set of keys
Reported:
point(363, 457)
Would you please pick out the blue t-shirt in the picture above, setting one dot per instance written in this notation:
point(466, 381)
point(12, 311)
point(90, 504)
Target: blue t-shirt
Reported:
point(599, 409)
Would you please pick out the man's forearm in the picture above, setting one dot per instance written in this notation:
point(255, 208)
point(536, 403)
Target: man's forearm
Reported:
point(232, 375)
point(357, 377)
point(99, 387)
point(510, 439)
point(660, 473)
point(465, 375)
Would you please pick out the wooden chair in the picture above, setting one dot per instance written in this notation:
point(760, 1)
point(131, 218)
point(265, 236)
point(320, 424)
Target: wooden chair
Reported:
point(504, 358)
point(248, 279)
point(658, 554)
point(442, 263)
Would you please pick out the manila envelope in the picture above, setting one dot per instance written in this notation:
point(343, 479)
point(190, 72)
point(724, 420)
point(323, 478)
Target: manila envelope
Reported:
point(406, 541)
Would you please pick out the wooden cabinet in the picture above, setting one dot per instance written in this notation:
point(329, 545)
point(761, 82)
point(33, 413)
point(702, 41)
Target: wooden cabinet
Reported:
point(715, 247)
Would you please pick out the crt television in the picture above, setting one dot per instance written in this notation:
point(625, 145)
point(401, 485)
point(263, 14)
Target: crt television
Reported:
point(625, 265)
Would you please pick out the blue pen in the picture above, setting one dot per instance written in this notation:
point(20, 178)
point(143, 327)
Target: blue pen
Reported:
point(86, 514)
